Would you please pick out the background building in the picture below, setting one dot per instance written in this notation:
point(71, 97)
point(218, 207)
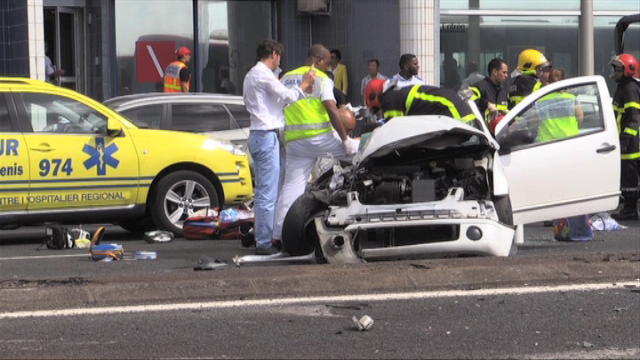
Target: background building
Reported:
point(115, 47)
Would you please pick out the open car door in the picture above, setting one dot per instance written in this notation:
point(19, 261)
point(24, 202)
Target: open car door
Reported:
point(560, 151)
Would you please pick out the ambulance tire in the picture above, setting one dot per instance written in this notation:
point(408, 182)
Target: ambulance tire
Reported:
point(299, 236)
point(161, 207)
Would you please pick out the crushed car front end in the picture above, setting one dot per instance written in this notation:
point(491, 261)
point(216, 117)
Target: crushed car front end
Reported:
point(421, 185)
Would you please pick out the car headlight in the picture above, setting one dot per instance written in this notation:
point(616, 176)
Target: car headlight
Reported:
point(213, 144)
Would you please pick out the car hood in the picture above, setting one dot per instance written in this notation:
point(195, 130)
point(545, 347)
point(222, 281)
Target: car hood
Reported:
point(425, 131)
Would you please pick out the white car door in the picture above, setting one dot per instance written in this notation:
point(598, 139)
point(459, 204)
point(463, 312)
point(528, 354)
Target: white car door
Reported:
point(560, 151)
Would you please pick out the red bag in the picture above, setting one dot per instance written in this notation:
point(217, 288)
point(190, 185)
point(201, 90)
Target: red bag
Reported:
point(200, 227)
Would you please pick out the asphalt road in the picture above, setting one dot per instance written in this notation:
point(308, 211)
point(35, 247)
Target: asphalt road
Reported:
point(60, 304)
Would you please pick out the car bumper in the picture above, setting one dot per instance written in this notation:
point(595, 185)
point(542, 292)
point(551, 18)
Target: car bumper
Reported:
point(451, 226)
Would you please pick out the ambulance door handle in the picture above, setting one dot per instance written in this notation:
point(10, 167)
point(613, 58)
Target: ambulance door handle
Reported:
point(44, 147)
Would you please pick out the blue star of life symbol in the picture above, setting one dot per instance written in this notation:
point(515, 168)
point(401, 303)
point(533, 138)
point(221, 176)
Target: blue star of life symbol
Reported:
point(101, 156)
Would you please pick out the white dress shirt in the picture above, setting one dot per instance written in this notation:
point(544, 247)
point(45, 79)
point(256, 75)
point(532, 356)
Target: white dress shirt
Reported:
point(265, 98)
point(402, 82)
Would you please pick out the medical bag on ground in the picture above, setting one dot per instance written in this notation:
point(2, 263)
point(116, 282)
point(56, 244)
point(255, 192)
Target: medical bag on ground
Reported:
point(104, 252)
point(200, 227)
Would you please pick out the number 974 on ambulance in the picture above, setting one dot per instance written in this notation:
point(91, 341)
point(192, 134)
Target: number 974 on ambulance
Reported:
point(67, 158)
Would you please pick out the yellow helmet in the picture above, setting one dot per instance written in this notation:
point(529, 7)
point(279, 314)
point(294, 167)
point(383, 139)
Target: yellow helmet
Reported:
point(531, 59)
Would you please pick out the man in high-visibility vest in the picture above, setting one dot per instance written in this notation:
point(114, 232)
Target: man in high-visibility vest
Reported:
point(313, 127)
point(534, 70)
point(626, 104)
point(177, 76)
point(559, 112)
point(416, 100)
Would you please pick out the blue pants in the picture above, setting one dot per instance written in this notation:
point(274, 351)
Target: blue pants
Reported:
point(264, 147)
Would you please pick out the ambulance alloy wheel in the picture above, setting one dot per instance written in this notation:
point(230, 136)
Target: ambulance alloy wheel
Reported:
point(179, 195)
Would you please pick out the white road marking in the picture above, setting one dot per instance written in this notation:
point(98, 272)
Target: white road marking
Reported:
point(44, 257)
point(315, 300)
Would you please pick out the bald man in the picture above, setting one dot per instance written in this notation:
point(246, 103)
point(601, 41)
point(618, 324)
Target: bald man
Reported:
point(314, 127)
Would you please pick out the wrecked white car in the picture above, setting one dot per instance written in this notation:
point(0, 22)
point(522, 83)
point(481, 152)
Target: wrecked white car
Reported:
point(432, 185)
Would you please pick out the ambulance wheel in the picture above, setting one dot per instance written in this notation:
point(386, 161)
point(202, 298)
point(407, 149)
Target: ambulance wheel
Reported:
point(178, 196)
point(299, 236)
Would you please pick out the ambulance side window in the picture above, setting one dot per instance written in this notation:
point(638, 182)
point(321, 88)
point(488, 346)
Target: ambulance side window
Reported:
point(61, 115)
point(5, 123)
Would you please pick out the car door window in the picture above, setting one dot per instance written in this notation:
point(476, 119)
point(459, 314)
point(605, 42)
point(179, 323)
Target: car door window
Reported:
point(199, 117)
point(5, 123)
point(145, 116)
point(240, 115)
point(48, 113)
point(563, 114)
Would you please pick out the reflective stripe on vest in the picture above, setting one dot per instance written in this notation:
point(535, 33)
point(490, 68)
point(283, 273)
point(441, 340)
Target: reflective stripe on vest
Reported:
point(631, 156)
point(393, 113)
point(172, 82)
point(559, 113)
point(415, 93)
point(620, 110)
point(476, 93)
point(306, 117)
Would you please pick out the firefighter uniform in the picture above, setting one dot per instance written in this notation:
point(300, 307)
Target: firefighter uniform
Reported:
point(626, 104)
point(523, 85)
point(425, 100)
point(175, 75)
point(485, 92)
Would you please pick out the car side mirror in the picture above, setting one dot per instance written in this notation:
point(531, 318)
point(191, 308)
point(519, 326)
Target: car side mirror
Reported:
point(504, 149)
point(114, 128)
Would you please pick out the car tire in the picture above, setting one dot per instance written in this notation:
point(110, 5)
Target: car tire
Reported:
point(172, 203)
point(299, 236)
point(505, 216)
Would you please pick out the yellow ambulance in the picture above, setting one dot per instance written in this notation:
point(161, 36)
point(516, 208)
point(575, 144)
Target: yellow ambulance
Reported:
point(67, 158)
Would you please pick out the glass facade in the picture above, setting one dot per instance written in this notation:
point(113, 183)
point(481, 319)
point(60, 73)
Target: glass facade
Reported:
point(229, 32)
point(147, 34)
point(227, 36)
point(472, 39)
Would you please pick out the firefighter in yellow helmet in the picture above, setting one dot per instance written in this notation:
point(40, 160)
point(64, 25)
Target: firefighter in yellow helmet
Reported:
point(532, 65)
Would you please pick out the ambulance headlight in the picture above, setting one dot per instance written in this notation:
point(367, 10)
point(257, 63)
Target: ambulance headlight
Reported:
point(214, 144)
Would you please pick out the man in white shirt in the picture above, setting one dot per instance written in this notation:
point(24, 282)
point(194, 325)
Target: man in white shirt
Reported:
point(408, 72)
point(265, 98)
point(373, 68)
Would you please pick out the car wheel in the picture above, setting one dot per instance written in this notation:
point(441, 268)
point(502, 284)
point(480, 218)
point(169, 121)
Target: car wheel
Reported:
point(299, 236)
point(505, 216)
point(178, 196)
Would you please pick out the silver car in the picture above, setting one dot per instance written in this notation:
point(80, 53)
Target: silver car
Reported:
point(222, 116)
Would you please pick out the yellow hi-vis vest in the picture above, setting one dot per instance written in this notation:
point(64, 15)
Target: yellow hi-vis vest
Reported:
point(558, 111)
point(306, 117)
point(172, 82)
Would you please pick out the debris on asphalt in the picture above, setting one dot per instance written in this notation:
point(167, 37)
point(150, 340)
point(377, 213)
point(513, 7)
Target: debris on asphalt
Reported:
point(104, 252)
point(158, 236)
point(209, 263)
point(604, 222)
point(587, 344)
point(348, 307)
point(81, 237)
point(364, 323)
point(146, 255)
point(420, 266)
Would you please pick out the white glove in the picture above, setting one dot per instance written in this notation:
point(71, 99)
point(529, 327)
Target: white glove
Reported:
point(351, 145)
